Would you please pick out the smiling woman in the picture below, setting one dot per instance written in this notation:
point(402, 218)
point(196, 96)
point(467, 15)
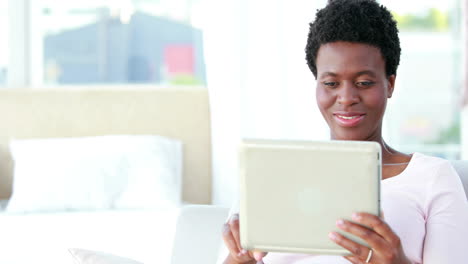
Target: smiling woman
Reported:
point(352, 89)
point(353, 50)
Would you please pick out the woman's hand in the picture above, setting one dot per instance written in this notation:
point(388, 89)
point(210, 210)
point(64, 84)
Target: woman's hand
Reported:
point(385, 244)
point(231, 238)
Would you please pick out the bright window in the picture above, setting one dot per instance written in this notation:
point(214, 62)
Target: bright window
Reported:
point(125, 41)
point(424, 114)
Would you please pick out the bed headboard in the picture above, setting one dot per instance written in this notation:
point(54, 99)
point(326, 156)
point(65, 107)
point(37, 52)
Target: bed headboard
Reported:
point(181, 113)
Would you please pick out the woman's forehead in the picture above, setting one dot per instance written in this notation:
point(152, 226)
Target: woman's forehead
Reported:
point(349, 58)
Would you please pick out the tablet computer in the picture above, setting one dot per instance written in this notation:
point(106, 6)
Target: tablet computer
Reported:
point(293, 192)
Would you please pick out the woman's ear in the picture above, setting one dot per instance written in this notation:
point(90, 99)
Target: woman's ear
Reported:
point(391, 85)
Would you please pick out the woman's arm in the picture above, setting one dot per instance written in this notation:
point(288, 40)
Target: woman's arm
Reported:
point(447, 219)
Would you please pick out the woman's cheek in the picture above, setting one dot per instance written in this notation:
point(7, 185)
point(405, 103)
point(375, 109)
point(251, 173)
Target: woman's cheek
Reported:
point(324, 99)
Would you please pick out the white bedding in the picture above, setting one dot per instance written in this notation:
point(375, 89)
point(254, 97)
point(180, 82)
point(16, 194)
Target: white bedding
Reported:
point(146, 236)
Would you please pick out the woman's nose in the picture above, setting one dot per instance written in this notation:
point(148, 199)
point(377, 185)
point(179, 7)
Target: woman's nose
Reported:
point(348, 94)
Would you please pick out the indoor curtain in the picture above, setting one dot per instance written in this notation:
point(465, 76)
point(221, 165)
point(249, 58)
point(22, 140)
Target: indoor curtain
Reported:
point(258, 79)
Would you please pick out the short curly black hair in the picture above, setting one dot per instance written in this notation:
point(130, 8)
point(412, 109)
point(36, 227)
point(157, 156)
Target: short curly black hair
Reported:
point(358, 21)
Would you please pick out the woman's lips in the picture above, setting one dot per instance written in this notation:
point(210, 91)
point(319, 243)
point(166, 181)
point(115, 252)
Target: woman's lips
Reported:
point(349, 120)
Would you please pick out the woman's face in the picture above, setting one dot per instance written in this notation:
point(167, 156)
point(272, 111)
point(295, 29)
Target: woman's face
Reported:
point(352, 89)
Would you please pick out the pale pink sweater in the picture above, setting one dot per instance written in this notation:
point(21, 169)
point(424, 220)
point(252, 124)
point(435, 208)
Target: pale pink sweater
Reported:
point(425, 206)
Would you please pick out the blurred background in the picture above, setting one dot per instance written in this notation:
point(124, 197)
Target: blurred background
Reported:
point(250, 54)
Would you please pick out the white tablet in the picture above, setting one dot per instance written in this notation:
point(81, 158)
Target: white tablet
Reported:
point(292, 192)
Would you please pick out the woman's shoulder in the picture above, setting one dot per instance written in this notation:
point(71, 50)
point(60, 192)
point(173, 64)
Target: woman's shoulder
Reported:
point(427, 176)
point(439, 176)
point(427, 162)
point(429, 168)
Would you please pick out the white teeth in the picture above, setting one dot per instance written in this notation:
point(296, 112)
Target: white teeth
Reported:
point(348, 117)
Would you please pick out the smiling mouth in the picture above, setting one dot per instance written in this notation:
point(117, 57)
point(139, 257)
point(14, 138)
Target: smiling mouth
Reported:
point(349, 120)
point(349, 117)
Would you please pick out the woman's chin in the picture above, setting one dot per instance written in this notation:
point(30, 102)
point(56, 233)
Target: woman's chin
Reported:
point(348, 136)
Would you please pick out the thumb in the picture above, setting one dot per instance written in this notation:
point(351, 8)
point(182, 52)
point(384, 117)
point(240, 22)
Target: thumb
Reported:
point(258, 255)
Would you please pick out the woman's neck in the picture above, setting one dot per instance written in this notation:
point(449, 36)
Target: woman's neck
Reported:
point(389, 155)
point(394, 162)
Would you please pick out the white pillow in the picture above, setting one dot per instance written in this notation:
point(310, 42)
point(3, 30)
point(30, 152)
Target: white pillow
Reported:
point(96, 173)
point(83, 256)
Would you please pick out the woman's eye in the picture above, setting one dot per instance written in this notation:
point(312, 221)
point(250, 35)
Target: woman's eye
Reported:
point(330, 84)
point(366, 83)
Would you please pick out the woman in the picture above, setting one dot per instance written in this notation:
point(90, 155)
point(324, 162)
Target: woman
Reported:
point(353, 50)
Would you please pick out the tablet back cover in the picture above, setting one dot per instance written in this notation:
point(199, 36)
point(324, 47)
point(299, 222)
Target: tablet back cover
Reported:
point(292, 192)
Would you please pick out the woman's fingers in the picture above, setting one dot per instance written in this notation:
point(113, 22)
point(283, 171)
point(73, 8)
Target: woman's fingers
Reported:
point(353, 259)
point(356, 249)
point(385, 244)
point(229, 240)
point(378, 225)
point(232, 246)
point(259, 255)
point(234, 225)
point(231, 236)
point(374, 240)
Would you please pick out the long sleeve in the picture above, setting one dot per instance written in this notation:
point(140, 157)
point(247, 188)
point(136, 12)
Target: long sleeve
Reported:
point(447, 219)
